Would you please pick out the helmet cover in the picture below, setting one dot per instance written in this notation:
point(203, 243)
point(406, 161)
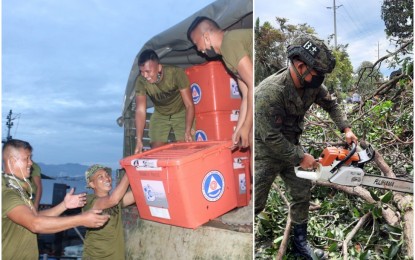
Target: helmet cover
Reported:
point(313, 52)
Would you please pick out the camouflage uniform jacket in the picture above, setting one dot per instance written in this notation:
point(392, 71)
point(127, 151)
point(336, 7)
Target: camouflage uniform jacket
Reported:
point(279, 116)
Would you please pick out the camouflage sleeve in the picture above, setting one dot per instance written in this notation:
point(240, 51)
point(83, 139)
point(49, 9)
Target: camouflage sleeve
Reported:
point(269, 117)
point(325, 101)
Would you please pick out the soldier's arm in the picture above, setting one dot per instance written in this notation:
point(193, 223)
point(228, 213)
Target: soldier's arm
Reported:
point(269, 118)
point(40, 224)
point(115, 197)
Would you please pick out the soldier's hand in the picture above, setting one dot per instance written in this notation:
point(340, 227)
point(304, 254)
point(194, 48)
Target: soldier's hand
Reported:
point(73, 201)
point(350, 137)
point(308, 162)
point(188, 136)
point(241, 137)
point(138, 146)
point(94, 219)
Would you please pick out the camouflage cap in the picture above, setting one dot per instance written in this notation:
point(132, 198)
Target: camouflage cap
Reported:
point(313, 52)
point(93, 169)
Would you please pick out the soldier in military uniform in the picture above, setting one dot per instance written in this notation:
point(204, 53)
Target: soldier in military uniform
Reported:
point(281, 102)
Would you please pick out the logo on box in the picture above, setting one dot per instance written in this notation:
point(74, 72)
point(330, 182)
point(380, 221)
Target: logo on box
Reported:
point(196, 93)
point(200, 136)
point(213, 186)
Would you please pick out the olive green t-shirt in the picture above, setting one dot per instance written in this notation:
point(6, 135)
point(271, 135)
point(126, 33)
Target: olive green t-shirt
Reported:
point(17, 241)
point(165, 94)
point(106, 242)
point(236, 44)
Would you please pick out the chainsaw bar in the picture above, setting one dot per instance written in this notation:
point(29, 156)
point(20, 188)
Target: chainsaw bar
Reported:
point(388, 183)
point(345, 168)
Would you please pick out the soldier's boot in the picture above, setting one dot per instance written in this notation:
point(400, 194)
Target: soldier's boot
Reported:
point(300, 245)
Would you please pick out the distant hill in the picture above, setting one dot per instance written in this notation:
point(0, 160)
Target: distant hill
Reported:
point(67, 171)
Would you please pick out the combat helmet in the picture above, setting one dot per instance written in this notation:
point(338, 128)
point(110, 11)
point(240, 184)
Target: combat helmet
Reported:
point(313, 52)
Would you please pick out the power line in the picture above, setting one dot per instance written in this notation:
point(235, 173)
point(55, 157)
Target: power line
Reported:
point(356, 25)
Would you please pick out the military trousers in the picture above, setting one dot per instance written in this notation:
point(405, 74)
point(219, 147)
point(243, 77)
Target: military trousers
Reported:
point(266, 170)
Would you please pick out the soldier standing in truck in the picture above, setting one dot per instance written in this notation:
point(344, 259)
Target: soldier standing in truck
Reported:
point(169, 89)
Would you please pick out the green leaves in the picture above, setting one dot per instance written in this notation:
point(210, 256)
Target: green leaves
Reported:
point(373, 195)
point(393, 250)
point(387, 197)
point(396, 15)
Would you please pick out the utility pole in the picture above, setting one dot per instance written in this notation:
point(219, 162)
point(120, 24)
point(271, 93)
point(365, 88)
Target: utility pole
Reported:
point(335, 27)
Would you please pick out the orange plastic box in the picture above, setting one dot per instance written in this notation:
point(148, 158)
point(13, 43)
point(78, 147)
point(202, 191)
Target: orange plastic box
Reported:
point(242, 175)
point(183, 184)
point(216, 126)
point(212, 88)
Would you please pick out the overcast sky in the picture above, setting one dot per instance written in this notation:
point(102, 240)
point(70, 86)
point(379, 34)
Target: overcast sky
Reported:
point(359, 24)
point(65, 66)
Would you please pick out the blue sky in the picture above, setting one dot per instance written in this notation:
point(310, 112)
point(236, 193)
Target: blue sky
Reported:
point(359, 24)
point(65, 66)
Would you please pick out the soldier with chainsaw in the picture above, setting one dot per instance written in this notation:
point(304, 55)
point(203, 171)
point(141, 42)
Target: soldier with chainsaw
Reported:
point(281, 102)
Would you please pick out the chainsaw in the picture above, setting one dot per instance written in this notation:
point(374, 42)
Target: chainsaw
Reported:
point(344, 167)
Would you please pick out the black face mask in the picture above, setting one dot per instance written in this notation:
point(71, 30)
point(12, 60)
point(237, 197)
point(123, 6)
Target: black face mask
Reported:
point(211, 53)
point(316, 81)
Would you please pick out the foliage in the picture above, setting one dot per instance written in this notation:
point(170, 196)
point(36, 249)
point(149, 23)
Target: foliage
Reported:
point(341, 77)
point(398, 18)
point(268, 46)
point(366, 79)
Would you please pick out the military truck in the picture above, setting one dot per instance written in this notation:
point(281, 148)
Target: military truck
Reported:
point(215, 239)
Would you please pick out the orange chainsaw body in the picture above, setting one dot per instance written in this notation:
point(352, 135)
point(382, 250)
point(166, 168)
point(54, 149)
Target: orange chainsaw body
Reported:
point(331, 154)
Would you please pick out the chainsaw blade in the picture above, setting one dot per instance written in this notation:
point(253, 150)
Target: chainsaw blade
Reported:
point(388, 183)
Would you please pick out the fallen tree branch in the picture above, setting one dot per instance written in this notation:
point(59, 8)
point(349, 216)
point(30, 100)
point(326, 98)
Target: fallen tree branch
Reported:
point(355, 191)
point(277, 188)
point(284, 243)
point(387, 213)
point(397, 138)
point(371, 234)
point(403, 201)
point(408, 228)
point(351, 234)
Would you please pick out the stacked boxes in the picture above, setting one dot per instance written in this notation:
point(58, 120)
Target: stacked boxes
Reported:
point(217, 102)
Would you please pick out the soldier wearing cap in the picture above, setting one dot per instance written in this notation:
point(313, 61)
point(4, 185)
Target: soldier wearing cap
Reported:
point(106, 242)
point(281, 101)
